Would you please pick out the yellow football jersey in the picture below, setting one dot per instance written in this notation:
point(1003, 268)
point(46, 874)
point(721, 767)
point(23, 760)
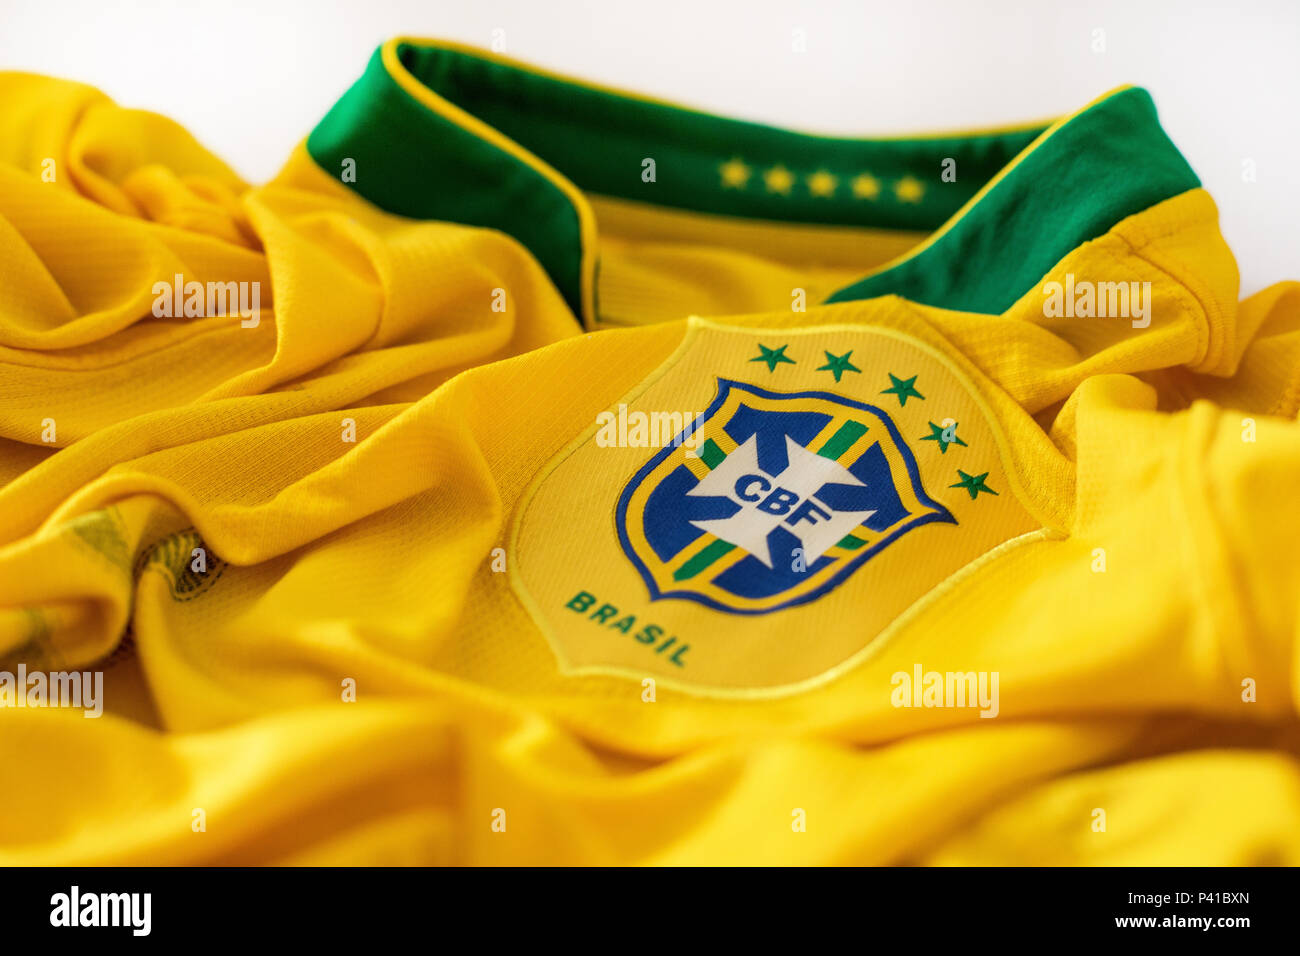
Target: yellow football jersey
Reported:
point(534, 472)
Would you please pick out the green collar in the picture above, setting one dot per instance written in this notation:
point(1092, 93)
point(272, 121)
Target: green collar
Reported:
point(439, 131)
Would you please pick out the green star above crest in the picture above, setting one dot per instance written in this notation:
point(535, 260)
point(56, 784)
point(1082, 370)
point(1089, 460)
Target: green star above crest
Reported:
point(973, 483)
point(772, 357)
point(837, 365)
point(903, 388)
point(944, 436)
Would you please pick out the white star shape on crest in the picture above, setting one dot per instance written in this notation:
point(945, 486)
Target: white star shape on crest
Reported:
point(803, 476)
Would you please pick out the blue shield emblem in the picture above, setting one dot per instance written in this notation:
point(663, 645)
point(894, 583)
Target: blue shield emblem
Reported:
point(771, 499)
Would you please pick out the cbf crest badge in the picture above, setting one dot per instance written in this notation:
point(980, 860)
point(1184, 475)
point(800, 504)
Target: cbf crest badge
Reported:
point(759, 511)
point(771, 499)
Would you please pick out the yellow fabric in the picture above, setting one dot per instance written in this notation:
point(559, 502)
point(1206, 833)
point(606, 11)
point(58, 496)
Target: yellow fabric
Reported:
point(657, 264)
point(371, 562)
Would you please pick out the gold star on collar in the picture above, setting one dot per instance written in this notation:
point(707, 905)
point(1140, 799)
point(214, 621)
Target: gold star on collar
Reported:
point(909, 189)
point(735, 174)
point(866, 186)
point(779, 180)
point(822, 183)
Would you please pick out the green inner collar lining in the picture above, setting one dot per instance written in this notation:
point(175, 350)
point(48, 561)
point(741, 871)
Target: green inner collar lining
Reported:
point(600, 141)
point(415, 162)
point(1108, 162)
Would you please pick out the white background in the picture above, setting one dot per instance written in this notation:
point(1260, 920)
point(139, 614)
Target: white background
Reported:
point(250, 79)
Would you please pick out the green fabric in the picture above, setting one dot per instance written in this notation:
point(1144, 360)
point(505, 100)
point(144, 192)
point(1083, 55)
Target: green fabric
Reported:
point(1108, 163)
point(600, 140)
point(414, 163)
